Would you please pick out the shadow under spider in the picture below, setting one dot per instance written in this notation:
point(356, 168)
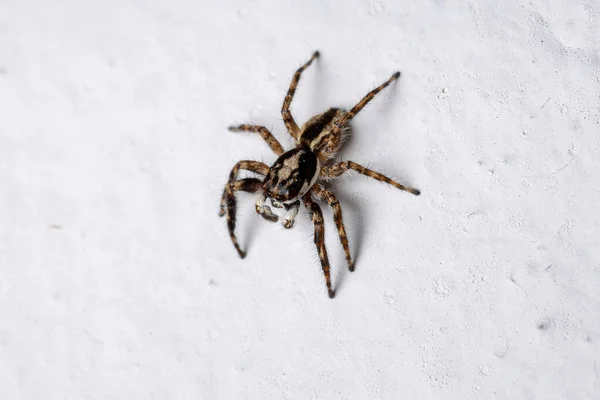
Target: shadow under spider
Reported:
point(252, 226)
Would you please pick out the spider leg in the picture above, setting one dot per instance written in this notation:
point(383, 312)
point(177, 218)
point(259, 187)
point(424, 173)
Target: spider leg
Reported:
point(338, 169)
point(329, 197)
point(317, 218)
point(254, 166)
point(264, 133)
point(249, 185)
point(288, 120)
point(365, 100)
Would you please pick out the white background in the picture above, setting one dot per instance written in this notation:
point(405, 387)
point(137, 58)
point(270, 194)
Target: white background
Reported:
point(119, 281)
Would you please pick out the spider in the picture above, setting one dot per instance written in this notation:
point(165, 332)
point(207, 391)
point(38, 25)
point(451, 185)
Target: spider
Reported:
point(298, 174)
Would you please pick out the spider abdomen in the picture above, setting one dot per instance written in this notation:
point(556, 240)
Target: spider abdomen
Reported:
point(319, 135)
point(292, 175)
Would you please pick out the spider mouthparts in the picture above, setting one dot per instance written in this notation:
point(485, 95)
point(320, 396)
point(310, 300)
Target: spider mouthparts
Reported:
point(271, 217)
point(276, 204)
point(267, 214)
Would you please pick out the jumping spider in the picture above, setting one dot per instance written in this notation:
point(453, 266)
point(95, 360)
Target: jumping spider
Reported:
point(299, 173)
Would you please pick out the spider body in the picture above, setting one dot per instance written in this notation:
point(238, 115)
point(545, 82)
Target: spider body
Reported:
point(320, 133)
point(297, 174)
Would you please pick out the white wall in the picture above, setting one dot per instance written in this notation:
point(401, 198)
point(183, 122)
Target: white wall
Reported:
point(118, 280)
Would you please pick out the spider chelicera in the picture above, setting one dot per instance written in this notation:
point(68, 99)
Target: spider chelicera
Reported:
point(299, 173)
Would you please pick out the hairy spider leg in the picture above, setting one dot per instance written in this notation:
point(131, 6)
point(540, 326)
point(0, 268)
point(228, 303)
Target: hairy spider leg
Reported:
point(250, 185)
point(365, 100)
point(288, 119)
point(317, 218)
point(328, 196)
point(264, 133)
point(254, 166)
point(333, 171)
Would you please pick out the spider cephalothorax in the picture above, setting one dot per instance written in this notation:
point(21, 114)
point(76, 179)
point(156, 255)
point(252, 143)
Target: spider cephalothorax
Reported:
point(292, 175)
point(297, 174)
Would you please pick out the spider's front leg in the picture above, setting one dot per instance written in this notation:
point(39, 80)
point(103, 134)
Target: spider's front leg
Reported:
point(253, 166)
point(250, 185)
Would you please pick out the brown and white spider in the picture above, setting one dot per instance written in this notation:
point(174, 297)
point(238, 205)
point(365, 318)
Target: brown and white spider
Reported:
point(298, 173)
